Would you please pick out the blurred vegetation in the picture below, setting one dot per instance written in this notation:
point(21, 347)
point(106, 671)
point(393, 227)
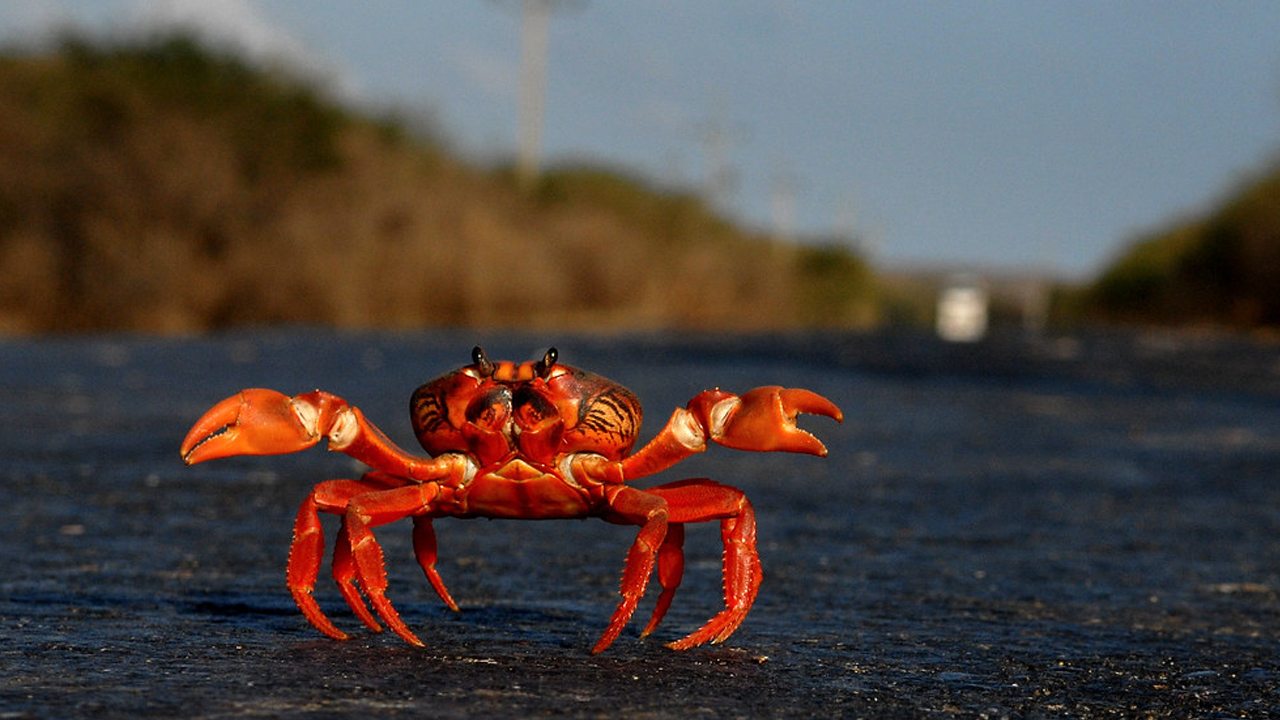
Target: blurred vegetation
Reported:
point(1222, 268)
point(162, 186)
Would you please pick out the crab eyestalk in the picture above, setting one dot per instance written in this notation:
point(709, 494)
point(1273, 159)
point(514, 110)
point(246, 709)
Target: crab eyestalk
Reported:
point(542, 368)
point(480, 360)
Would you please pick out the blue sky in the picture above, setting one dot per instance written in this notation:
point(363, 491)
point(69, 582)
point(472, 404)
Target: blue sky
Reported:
point(1012, 134)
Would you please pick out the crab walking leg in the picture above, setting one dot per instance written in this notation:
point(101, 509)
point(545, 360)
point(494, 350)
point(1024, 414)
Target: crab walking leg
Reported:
point(307, 551)
point(368, 511)
point(424, 548)
point(344, 574)
point(635, 507)
point(701, 500)
point(304, 566)
point(742, 577)
point(670, 571)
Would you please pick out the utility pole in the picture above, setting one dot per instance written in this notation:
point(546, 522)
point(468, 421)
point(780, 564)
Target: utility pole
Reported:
point(859, 236)
point(783, 208)
point(535, 31)
point(845, 226)
point(717, 136)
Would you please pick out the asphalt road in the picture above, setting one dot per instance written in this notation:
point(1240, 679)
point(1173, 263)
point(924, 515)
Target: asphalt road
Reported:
point(1071, 528)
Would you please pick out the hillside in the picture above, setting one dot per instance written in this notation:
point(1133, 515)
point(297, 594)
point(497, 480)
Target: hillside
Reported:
point(164, 187)
point(1221, 268)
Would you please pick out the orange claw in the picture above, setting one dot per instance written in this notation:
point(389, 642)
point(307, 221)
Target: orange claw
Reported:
point(252, 422)
point(765, 419)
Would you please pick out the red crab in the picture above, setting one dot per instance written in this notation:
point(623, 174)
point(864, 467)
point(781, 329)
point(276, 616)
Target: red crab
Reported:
point(536, 440)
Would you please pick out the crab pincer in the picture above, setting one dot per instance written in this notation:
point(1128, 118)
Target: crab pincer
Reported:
point(254, 422)
point(763, 419)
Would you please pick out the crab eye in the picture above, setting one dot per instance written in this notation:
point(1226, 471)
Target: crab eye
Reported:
point(481, 361)
point(548, 361)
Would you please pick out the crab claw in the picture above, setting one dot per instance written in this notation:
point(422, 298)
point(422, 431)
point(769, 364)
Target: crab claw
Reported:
point(252, 422)
point(764, 419)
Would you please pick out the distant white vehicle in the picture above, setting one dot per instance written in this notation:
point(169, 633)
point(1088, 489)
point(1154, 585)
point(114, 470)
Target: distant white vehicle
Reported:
point(962, 310)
